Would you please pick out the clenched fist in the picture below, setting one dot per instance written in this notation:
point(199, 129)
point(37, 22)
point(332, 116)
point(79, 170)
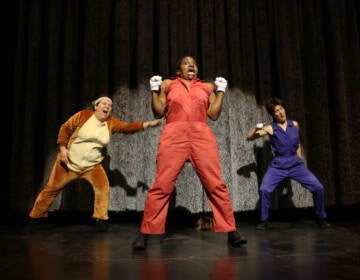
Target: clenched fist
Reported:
point(221, 84)
point(155, 82)
point(260, 126)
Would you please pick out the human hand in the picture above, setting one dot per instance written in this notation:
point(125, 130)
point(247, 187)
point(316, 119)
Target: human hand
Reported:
point(155, 82)
point(221, 84)
point(153, 123)
point(259, 126)
point(64, 154)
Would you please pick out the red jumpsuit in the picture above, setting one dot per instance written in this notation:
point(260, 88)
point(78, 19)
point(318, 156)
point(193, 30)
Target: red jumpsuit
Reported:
point(187, 137)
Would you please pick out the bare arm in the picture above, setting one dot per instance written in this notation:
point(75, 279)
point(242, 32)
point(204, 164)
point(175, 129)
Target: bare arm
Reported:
point(148, 124)
point(215, 103)
point(255, 132)
point(158, 100)
point(299, 149)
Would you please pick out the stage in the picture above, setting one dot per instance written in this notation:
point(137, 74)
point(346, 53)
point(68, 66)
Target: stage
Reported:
point(68, 247)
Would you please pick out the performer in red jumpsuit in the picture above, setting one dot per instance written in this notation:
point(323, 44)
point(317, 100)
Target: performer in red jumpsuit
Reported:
point(186, 102)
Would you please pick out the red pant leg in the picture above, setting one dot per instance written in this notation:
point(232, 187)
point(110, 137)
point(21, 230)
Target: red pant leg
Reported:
point(173, 151)
point(205, 158)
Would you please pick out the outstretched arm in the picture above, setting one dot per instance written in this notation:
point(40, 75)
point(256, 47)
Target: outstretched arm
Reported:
point(148, 124)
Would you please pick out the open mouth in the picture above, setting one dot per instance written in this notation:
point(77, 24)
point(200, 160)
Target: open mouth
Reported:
point(191, 71)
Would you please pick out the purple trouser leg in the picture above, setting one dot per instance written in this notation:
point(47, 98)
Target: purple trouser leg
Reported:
point(298, 173)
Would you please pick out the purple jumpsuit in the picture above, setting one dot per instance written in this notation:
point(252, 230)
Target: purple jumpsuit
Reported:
point(287, 164)
point(187, 137)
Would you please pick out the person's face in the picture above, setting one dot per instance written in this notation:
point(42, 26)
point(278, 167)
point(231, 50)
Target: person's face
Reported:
point(188, 68)
point(279, 114)
point(103, 109)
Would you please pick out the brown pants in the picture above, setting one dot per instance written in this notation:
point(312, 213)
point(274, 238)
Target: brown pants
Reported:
point(60, 176)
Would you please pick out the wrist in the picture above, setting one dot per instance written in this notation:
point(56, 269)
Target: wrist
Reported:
point(155, 88)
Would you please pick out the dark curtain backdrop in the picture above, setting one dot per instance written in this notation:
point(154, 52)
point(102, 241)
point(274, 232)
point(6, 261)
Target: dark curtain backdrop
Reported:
point(61, 54)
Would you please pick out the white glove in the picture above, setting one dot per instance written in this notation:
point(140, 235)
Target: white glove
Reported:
point(155, 82)
point(221, 84)
point(260, 125)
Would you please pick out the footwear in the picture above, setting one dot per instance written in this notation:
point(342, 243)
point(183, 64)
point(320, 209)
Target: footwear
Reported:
point(235, 239)
point(263, 225)
point(140, 242)
point(101, 225)
point(33, 221)
point(34, 224)
point(322, 223)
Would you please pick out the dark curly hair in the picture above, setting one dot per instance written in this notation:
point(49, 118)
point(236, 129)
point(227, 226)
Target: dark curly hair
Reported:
point(271, 103)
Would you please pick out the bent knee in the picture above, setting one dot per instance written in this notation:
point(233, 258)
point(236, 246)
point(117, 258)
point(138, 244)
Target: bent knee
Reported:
point(265, 192)
point(318, 189)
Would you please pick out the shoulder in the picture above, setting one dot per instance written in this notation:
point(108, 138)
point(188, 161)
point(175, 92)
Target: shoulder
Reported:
point(207, 84)
point(112, 120)
point(268, 129)
point(166, 82)
point(78, 119)
point(211, 85)
point(86, 112)
point(296, 124)
point(83, 114)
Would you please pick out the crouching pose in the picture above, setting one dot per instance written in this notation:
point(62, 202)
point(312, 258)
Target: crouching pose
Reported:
point(81, 140)
point(287, 162)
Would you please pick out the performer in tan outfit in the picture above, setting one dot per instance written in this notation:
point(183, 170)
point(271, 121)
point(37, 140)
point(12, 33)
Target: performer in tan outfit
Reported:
point(82, 139)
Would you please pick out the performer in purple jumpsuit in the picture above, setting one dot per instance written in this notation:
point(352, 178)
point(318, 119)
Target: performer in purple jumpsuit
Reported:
point(287, 162)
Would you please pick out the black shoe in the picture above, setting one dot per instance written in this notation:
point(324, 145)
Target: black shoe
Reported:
point(101, 225)
point(235, 239)
point(34, 224)
point(263, 225)
point(322, 223)
point(33, 221)
point(140, 242)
